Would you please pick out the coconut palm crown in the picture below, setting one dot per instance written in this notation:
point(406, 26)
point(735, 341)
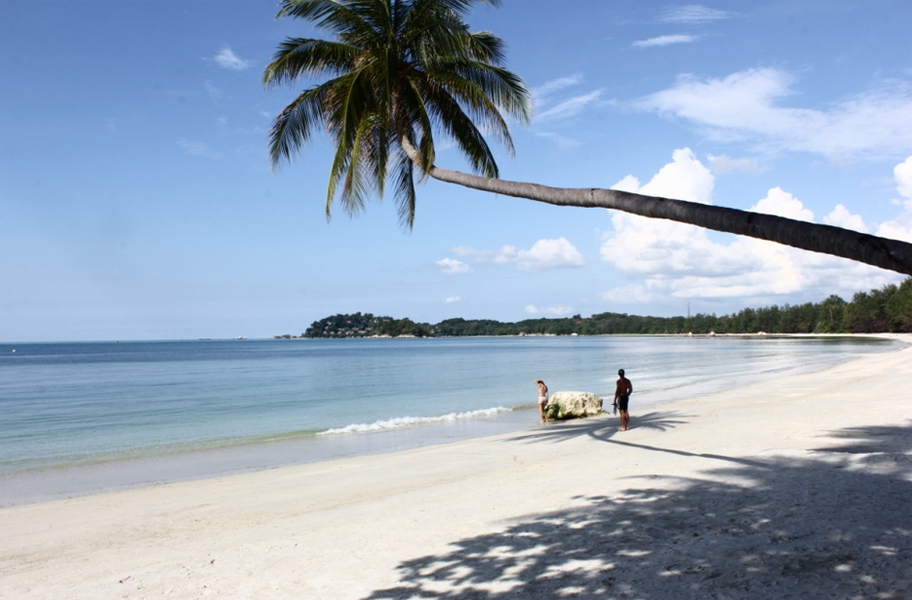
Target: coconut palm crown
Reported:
point(398, 71)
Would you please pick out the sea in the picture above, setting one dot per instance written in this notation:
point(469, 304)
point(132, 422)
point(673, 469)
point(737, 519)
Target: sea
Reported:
point(83, 418)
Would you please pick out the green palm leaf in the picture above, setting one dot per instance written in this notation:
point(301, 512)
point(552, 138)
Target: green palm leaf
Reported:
point(394, 72)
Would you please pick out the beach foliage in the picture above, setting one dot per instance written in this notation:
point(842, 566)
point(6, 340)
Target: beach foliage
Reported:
point(884, 310)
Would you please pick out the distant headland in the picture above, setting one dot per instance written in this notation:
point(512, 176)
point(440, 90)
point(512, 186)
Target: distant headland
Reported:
point(888, 309)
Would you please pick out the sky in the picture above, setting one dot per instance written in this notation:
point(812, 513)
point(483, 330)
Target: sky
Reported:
point(137, 200)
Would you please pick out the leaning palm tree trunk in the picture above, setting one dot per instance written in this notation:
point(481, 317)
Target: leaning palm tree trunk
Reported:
point(399, 70)
point(880, 252)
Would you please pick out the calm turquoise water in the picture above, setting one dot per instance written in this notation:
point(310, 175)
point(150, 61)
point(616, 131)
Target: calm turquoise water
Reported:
point(88, 403)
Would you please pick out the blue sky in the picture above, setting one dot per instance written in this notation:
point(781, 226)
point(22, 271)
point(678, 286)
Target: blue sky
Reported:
point(137, 200)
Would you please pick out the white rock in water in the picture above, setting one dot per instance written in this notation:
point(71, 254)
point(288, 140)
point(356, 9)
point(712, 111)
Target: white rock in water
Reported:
point(573, 405)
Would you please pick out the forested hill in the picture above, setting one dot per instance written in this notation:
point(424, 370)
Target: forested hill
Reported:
point(885, 310)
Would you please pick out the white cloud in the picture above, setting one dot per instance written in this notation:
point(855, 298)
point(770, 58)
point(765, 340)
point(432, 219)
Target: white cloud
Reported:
point(562, 142)
point(227, 59)
point(452, 299)
point(553, 103)
point(900, 228)
point(555, 85)
point(551, 310)
point(903, 175)
point(544, 255)
point(549, 254)
point(782, 204)
point(562, 106)
point(665, 40)
point(506, 254)
point(667, 260)
point(693, 13)
point(569, 107)
point(725, 164)
point(746, 106)
point(685, 178)
point(841, 217)
point(450, 266)
point(200, 149)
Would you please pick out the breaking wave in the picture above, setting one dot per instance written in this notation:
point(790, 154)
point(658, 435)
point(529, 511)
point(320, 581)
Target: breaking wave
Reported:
point(408, 421)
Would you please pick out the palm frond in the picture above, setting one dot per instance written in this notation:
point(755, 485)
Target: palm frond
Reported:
point(503, 88)
point(343, 18)
point(293, 127)
point(406, 199)
point(300, 57)
point(449, 115)
point(400, 72)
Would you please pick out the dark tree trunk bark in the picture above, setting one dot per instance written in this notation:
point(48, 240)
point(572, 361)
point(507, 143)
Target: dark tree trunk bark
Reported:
point(862, 247)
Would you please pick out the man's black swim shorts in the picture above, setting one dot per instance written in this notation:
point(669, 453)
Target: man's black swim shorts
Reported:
point(622, 402)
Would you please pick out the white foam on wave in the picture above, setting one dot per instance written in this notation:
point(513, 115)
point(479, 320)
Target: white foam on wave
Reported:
point(408, 421)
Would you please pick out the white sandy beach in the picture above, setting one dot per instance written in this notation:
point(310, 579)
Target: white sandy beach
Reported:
point(797, 488)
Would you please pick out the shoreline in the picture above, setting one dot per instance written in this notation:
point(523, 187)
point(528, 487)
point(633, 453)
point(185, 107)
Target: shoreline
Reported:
point(109, 474)
point(61, 482)
point(760, 491)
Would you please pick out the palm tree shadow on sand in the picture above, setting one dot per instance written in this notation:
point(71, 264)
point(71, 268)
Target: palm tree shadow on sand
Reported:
point(604, 428)
point(835, 525)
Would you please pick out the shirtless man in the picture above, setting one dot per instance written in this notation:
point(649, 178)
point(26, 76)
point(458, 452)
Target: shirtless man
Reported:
point(621, 398)
point(542, 399)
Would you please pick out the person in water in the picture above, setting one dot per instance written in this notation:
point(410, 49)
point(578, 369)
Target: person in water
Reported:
point(622, 398)
point(542, 399)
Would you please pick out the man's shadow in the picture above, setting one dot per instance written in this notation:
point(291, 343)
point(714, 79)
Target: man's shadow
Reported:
point(604, 426)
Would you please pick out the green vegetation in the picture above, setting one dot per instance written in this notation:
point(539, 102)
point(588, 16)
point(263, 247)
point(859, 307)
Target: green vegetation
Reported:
point(885, 310)
point(395, 77)
point(366, 325)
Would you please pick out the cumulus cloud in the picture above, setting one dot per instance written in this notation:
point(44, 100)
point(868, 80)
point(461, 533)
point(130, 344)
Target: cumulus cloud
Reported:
point(549, 254)
point(900, 228)
point(747, 106)
point(450, 266)
point(693, 14)
point(665, 40)
point(782, 204)
point(685, 178)
point(452, 299)
point(227, 59)
point(903, 175)
point(665, 259)
point(841, 217)
point(544, 255)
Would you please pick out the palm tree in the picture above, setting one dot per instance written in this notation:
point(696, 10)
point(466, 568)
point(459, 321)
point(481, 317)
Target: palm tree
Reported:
point(402, 70)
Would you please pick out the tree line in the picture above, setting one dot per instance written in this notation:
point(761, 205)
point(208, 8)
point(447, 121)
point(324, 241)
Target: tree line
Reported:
point(888, 309)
